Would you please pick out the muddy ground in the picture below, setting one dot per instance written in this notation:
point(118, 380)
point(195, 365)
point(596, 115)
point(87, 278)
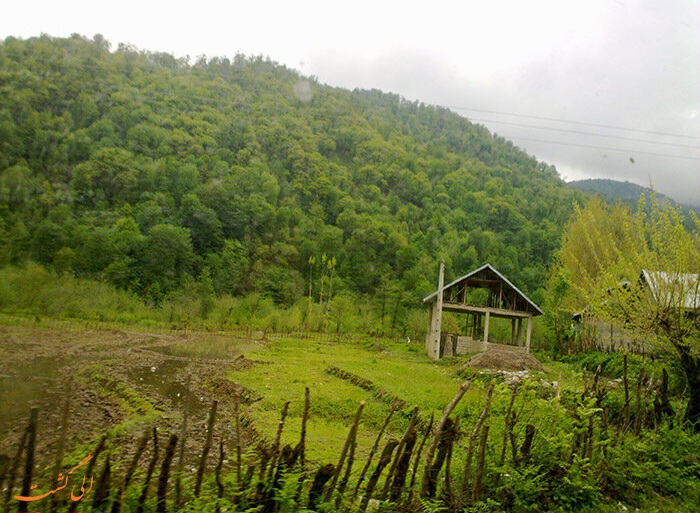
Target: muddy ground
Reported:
point(109, 379)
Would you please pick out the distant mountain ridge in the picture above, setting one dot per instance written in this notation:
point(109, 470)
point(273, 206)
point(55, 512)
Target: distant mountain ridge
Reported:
point(626, 191)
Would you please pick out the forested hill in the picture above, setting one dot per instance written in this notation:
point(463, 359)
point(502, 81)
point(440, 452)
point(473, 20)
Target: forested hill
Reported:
point(148, 172)
point(627, 192)
point(612, 189)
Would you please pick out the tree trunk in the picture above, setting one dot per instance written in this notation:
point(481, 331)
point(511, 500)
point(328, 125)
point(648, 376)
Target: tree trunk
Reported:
point(691, 367)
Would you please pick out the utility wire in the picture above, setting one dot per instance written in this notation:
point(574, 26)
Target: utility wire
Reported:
point(583, 123)
point(579, 132)
point(634, 152)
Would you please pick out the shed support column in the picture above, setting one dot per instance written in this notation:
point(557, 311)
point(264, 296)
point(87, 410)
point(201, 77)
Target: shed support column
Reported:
point(429, 332)
point(513, 339)
point(433, 348)
point(527, 336)
point(519, 336)
point(486, 326)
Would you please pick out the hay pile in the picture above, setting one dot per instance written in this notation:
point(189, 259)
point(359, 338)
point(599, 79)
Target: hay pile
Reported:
point(503, 359)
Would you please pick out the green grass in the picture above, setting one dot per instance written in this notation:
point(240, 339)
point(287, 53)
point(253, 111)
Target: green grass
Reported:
point(654, 472)
point(293, 364)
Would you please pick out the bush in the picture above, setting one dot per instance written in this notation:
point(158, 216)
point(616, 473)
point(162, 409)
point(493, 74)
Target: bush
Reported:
point(33, 290)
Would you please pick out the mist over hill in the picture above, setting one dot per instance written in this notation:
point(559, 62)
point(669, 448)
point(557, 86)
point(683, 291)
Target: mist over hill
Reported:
point(626, 191)
point(243, 176)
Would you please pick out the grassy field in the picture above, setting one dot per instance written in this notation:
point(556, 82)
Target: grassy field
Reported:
point(119, 382)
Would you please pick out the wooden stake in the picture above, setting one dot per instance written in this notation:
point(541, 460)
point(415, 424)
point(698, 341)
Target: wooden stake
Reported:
point(374, 450)
point(384, 460)
point(165, 474)
point(416, 462)
point(149, 474)
point(183, 439)
point(29, 460)
point(476, 493)
point(438, 431)
point(466, 478)
point(302, 439)
point(349, 441)
point(508, 426)
point(13, 469)
point(117, 504)
point(399, 450)
point(239, 444)
point(217, 475)
point(102, 487)
point(205, 450)
point(320, 479)
point(61, 447)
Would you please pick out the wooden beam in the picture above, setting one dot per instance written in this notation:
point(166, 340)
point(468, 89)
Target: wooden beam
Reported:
point(496, 312)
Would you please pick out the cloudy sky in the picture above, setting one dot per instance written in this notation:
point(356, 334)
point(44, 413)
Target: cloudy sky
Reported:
point(599, 88)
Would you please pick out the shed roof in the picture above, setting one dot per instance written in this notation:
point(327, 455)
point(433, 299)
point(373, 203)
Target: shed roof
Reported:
point(676, 290)
point(488, 277)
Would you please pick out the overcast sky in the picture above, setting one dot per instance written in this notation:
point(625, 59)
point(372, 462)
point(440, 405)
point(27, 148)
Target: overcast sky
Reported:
point(598, 88)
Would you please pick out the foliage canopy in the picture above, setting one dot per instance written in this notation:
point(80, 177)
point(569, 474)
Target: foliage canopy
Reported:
point(111, 160)
point(641, 271)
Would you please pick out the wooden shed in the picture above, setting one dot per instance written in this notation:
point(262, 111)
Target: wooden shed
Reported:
point(482, 294)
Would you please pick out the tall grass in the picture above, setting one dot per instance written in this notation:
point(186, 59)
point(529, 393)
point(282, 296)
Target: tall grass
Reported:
point(34, 291)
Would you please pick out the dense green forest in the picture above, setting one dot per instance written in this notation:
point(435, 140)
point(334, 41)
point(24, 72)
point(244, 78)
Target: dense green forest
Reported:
point(629, 193)
point(240, 176)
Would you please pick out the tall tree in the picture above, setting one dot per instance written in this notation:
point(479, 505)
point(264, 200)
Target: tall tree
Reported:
point(108, 176)
point(642, 270)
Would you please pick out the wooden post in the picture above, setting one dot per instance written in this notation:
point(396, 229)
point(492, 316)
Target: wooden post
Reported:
point(29, 461)
point(429, 332)
point(512, 331)
point(486, 327)
point(479, 473)
point(528, 333)
point(434, 346)
point(207, 446)
point(519, 336)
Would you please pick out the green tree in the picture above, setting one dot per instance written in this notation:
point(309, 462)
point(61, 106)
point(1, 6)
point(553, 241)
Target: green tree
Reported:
point(110, 176)
point(229, 267)
point(127, 242)
point(167, 257)
point(606, 253)
point(48, 238)
point(204, 226)
point(388, 186)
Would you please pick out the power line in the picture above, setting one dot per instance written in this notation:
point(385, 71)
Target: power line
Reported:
point(634, 152)
point(573, 122)
point(579, 132)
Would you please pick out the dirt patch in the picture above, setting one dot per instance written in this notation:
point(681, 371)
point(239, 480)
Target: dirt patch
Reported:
point(501, 359)
point(224, 387)
point(109, 379)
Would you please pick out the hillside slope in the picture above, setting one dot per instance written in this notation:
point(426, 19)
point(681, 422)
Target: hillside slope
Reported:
point(149, 172)
point(627, 192)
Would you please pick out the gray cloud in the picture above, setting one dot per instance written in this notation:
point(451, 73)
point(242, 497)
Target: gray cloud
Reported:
point(642, 78)
point(616, 63)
